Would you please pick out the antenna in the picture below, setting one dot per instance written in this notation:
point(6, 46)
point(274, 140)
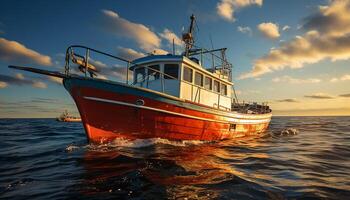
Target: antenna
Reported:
point(212, 55)
point(173, 46)
point(188, 37)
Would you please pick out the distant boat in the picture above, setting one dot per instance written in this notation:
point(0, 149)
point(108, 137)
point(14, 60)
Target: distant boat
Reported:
point(175, 97)
point(65, 117)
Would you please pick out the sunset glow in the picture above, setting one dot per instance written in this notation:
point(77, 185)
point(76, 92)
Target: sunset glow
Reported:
point(294, 55)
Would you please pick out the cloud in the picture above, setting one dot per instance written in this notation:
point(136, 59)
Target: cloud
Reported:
point(344, 95)
point(42, 100)
point(20, 76)
point(12, 51)
point(345, 77)
point(246, 30)
point(3, 84)
point(285, 28)
point(269, 30)
point(169, 36)
point(329, 38)
point(20, 80)
point(288, 79)
point(160, 52)
point(120, 73)
point(39, 84)
point(121, 27)
point(227, 8)
point(319, 96)
point(55, 79)
point(129, 54)
point(332, 20)
point(288, 100)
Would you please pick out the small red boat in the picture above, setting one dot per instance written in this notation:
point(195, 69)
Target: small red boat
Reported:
point(163, 96)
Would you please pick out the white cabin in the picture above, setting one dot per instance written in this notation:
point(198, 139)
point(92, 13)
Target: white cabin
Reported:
point(181, 77)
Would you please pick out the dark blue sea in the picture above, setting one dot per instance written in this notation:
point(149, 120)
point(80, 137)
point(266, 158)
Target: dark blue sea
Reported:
point(298, 158)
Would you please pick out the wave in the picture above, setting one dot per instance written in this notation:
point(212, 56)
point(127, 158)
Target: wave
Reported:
point(287, 131)
point(72, 147)
point(141, 143)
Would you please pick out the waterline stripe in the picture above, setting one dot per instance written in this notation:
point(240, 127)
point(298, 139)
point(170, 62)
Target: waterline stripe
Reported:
point(231, 120)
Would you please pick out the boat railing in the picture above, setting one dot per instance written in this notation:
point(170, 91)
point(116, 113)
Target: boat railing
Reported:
point(81, 56)
point(251, 107)
point(86, 66)
point(218, 63)
point(85, 61)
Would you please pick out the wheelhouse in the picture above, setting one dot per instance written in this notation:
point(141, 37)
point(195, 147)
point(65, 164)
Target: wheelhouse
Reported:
point(184, 78)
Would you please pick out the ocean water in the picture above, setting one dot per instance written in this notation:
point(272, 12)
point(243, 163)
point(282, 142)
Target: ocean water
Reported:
point(298, 158)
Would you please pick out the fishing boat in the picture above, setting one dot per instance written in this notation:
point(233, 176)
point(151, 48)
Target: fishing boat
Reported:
point(66, 117)
point(173, 96)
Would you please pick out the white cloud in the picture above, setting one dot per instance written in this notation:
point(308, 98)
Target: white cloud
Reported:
point(288, 79)
point(20, 76)
point(159, 52)
point(327, 37)
point(269, 30)
point(3, 84)
point(345, 77)
point(12, 51)
point(55, 79)
point(129, 54)
point(285, 28)
point(121, 27)
point(169, 36)
point(39, 84)
point(246, 30)
point(227, 8)
point(20, 80)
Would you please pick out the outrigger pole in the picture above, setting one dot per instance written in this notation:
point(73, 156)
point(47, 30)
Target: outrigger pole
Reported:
point(39, 71)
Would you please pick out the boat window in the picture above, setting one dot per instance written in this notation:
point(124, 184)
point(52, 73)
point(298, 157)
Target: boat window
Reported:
point(216, 86)
point(208, 83)
point(171, 71)
point(188, 74)
point(153, 72)
point(139, 74)
point(198, 79)
point(223, 89)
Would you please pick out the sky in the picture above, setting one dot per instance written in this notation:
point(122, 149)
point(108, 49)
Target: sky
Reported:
point(295, 55)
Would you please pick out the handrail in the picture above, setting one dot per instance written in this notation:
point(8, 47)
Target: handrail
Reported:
point(70, 53)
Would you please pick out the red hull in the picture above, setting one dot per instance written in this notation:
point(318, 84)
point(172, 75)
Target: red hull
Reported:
point(108, 115)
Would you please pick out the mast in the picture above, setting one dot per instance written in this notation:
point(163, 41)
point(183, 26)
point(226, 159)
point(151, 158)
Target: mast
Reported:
point(188, 37)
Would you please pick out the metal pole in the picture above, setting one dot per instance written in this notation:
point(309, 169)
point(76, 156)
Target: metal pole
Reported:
point(87, 60)
point(127, 73)
point(173, 46)
point(202, 57)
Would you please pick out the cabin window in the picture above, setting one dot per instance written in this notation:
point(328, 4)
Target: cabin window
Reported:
point(208, 83)
point(216, 86)
point(139, 75)
point(171, 71)
point(198, 79)
point(223, 89)
point(153, 72)
point(188, 72)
